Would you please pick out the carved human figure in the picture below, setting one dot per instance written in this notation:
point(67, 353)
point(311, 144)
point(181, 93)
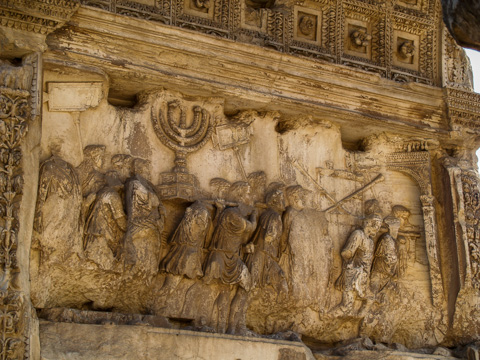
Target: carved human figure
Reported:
point(402, 249)
point(357, 255)
point(402, 213)
point(89, 171)
point(106, 220)
point(385, 263)
point(224, 263)
point(58, 208)
point(258, 183)
point(146, 216)
point(296, 203)
point(221, 187)
point(263, 262)
point(187, 243)
point(106, 225)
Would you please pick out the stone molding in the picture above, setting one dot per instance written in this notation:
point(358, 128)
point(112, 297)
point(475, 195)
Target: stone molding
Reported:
point(291, 81)
point(388, 24)
point(38, 16)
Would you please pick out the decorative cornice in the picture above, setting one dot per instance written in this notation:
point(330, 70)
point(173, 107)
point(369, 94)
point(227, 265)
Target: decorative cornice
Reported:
point(37, 16)
point(277, 27)
point(463, 108)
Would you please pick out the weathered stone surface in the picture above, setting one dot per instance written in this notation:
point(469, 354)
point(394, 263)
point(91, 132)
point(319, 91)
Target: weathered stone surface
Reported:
point(183, 181)
point(80, 341)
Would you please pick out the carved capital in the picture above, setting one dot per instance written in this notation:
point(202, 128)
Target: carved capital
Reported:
point(427, 201)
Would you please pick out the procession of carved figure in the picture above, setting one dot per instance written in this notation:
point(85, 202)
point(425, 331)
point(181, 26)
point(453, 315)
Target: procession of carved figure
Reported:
point(223, 242)
point(240, 247)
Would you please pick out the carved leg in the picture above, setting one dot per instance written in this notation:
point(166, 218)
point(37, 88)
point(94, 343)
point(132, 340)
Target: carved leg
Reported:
point(222, 307)
point(238, 309)
point(170, 284)
point(346, 305)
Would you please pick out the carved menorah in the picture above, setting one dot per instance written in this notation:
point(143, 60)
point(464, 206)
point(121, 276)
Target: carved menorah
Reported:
point(175, 132)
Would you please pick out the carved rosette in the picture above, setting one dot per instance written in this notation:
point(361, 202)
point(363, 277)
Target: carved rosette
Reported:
point(360, 34)
point(15, 113)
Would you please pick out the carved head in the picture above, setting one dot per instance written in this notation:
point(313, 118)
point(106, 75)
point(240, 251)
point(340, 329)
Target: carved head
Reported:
point(402, 213)
point(371, 224)
point(220, 186)
point(296, 196)
point(197, 217)
point(113, 179)
point(402, 240)
point(307, 24)
point(240, 192)
point(95, 154)
point(142, 168)
point(123, 164)
point(393, 224)
point(275, 199)
point(258, 182)
point(372, 206)
point(406, 49)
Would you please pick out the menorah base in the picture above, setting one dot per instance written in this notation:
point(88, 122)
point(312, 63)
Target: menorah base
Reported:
point(174, 185)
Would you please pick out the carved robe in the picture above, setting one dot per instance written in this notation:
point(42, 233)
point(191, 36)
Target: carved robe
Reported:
point(104, 229)
point(58, 210)
point(91, 180)
point(385, 262)
point(186, 254)
point(356, 269)
point(224, 262)
point(286, 256)
point(145, 225)
point(263, 263)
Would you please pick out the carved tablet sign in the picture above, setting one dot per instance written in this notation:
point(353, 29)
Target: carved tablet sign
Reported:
point(74, 96)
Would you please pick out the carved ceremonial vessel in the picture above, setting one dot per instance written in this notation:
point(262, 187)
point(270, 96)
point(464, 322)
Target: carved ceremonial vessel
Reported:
point(183, 136)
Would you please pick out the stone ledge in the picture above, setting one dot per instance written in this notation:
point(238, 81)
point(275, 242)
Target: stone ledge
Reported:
point(85, 341)
point(384, 355)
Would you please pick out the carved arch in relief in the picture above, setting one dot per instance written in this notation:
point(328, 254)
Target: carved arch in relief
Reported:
point(417, 166)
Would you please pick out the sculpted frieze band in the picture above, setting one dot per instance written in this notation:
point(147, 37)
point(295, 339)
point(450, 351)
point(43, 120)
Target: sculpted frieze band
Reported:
point(237, 255)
